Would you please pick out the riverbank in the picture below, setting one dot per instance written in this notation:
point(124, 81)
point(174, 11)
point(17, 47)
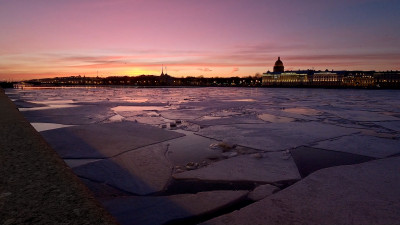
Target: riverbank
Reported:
point(36, 186)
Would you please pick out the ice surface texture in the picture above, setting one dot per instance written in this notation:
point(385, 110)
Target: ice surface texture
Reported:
point(124, 148)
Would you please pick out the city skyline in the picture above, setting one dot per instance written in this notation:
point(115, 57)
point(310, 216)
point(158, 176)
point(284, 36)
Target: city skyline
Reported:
point(224, 38)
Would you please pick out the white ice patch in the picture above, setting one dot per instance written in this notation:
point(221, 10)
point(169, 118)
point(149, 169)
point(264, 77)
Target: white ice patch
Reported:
point(54, 102)
point(48, 107)
point(48, 126)
point(116, 118)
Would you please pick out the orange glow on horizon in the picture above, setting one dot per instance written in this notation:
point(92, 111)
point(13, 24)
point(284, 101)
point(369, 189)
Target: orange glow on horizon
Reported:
point(194, 38)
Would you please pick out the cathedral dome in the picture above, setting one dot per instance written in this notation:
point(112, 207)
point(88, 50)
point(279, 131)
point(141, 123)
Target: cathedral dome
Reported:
point(279, 62)
point(279, 68)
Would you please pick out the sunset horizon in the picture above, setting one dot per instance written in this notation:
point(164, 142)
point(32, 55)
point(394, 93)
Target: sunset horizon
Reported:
point(45, 39)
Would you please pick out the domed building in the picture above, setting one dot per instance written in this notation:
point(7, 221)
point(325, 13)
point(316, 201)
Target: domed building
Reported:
point(279, 68)
point(281, 78)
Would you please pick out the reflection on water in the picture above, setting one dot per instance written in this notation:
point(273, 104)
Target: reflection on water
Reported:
point(137, 100)
point(243, 100)
point(190, 148)
point(275, 119)
point(303, 111)
point(138, 108)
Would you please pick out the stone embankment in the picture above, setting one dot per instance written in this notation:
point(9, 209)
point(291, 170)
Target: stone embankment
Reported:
point(36, 186)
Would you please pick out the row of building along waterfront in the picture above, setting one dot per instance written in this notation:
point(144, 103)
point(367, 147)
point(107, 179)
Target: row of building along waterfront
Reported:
point(311, 78)
point(277, 78)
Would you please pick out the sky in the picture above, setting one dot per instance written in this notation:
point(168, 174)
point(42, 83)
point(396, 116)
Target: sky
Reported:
point(210, 38)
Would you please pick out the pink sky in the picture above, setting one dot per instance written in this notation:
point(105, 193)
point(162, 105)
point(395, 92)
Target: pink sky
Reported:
point(47, 38)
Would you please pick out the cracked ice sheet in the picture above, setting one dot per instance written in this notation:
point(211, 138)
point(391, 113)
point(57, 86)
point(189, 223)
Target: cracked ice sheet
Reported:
point(275, 136)
point(272, 167)
point(362, 145)
point(141, 171)
point(366, 193)
point(162, 209)
point(147, 120)
point(359, 115)
point(196, 110)
point(78, 115)
point(212, 121)
point(104, 140)
point(26, 104)
point(293, 113)
point(184, 114)
point(146, 117)
point(392, 125)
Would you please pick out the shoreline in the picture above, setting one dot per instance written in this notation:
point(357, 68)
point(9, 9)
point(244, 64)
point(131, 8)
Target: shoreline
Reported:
point(199, 86)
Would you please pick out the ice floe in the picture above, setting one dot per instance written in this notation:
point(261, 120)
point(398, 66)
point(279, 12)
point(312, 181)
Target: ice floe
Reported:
point(245, 139)
point(142, 171)
point(270, 168)
point(366, 193)
point(377, 147)
point(163, 209)
point(275, 136)
point(104, 140)
point(262, 191)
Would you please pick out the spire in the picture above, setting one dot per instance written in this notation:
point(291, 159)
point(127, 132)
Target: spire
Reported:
point(162, 70)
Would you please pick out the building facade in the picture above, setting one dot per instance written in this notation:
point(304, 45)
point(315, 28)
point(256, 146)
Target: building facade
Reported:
point(338, 79)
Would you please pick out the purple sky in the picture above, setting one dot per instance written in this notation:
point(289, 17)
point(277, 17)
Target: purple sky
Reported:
point(46, 38)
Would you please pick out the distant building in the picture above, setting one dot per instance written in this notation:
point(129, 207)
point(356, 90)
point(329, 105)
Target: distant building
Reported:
point(389, 79)
point(364, 79)
point(278, 78)
point(162, 71)
point(281, 78)
point(326, 79)
point(165, 79)
point(290, 78)
point(278, 67)
point(21, 85)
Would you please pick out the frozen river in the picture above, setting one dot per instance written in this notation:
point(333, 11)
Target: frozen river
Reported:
point(194, 153)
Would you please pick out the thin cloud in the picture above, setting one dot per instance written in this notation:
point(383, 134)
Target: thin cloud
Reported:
point(344, 57)
point(205, 69)
point(234, 70)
